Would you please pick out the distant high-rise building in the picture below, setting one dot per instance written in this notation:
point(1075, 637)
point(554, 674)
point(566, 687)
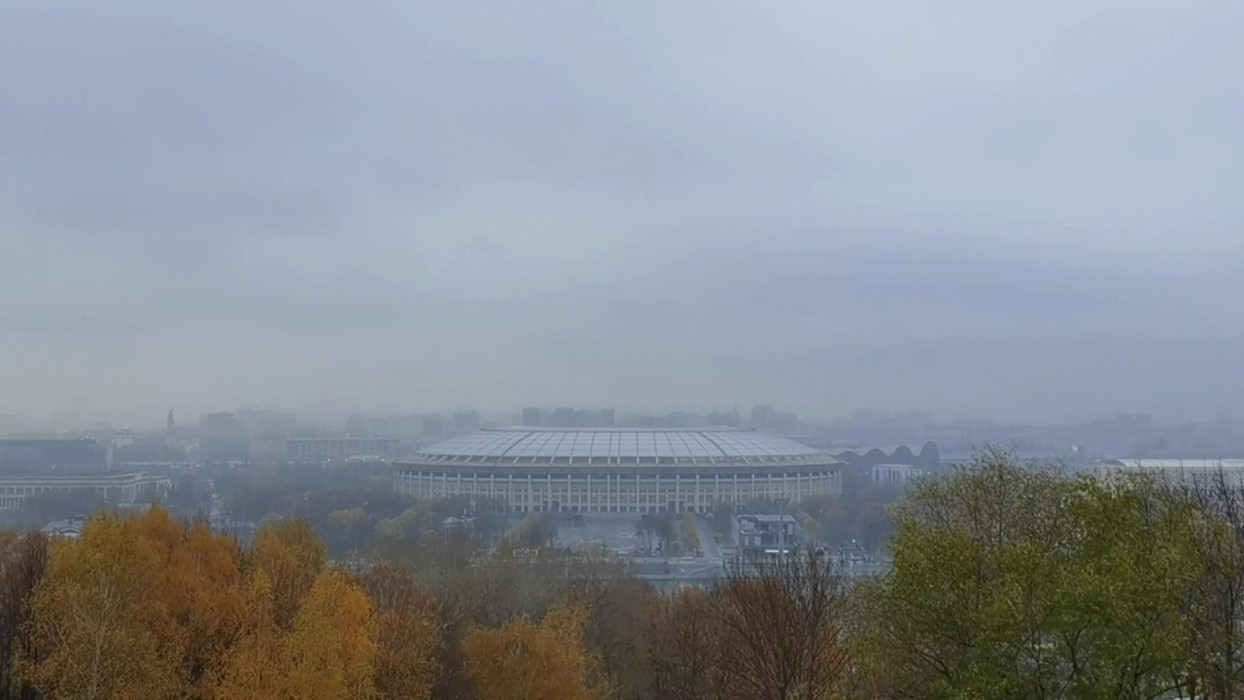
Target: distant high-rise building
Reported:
point(170, 423)
point(679, 419)
point(607, 419)
point(434, 426)
point(531, 417)
point(768, 418)
point(220, 425)
point(221, 438)
point(362, 425)
point(254, 422)
point(465, 422)
point(562, 417)
point(762, 416)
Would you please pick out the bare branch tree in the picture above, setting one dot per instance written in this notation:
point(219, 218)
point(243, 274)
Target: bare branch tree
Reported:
point(784, 620)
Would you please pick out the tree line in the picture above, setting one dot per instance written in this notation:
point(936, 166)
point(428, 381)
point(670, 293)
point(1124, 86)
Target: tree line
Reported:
point(1009, 580)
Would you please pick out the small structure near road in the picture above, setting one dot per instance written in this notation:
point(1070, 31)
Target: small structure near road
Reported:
point(765, 533)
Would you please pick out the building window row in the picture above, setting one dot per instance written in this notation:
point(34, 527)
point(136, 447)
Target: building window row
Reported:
point(608, 495)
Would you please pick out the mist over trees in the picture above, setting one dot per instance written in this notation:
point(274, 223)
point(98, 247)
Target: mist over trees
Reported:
point(1009, 580)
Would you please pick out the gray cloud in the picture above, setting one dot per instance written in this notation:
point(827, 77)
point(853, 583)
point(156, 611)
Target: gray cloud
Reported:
point(969, 207)
point(84, 328)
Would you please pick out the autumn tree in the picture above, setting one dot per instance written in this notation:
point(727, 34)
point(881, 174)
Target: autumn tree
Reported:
point(621, 610)
point(782, 621)
point(257, 667)
point(291, 556)
point(97, 632)
point(332, 646)
point(685, 651)
point(523, 660)
point(198, 580)
point(23, 563)
point(408, 629)
point(348, 521)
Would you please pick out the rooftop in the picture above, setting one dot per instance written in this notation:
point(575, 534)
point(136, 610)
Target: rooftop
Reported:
point(768, 517)
point(605, 445)
point(1176, 464)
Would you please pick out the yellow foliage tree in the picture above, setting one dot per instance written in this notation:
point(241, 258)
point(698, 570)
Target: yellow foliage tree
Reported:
point(147, 607)
point(332, 646)
point(199, 582)
point(524, 660)
point(97, 632)
point(257, 668)
point(291, 556)
point(406, 617)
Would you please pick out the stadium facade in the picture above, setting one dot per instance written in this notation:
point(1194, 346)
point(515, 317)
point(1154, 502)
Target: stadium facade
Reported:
point(618, 470)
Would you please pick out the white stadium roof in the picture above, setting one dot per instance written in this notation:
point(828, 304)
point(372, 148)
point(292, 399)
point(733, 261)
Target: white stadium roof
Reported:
point(603, 445)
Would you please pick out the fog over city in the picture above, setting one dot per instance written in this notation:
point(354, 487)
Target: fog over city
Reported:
point(1021, 212)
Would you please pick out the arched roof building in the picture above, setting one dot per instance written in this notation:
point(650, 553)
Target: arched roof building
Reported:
point(635, 470)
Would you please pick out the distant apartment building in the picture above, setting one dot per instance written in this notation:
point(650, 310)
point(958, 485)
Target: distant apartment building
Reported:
point(220, 425)
point(222, 439)
point(117, 489)
point(566, 417)
point(400, 426)
point(531, 417)
point(433, 427)
point(320, 450)
point(562, 417)
point(465, 422)
point(767, 418)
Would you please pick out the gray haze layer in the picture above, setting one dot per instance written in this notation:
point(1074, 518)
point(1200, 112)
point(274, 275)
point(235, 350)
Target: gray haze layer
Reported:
point(1026, 211)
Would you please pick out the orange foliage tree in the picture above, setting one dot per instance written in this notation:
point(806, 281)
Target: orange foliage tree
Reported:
point(524, 660)
point(198, 582)
point(149, 607)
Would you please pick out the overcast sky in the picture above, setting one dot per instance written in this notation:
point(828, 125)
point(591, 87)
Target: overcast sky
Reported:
point(1026, 211)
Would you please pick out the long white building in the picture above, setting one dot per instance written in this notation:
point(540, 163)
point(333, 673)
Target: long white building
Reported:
point(618, 470)
point(112, 488)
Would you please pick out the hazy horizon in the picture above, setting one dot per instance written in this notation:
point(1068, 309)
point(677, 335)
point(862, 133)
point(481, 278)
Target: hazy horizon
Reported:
point(979, 210)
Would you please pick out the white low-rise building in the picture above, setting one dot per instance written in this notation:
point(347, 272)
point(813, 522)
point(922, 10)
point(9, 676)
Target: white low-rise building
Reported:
point(895, 473)
point(117, 489)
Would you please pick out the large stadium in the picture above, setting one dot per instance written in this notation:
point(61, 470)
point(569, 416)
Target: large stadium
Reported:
point(618, 470)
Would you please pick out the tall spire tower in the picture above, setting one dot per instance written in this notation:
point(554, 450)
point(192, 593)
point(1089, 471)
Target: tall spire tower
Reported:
point(170, 423)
